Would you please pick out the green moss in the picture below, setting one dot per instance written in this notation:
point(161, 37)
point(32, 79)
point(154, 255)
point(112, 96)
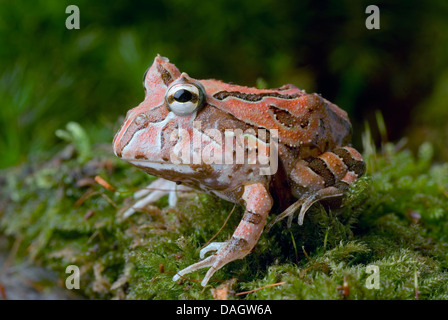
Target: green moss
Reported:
point(394, 218)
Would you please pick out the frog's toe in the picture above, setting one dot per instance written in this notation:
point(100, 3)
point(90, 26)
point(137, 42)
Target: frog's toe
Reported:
point(228, 251)
point(327, 193)
point(214, 246)
point(289, 212)
point(199, 265)
point(305, 203)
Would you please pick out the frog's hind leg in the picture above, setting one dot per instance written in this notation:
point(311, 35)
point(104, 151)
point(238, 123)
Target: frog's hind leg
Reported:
point(330, 192)
point(305, 203)
point(326, 176)
point(289, 212)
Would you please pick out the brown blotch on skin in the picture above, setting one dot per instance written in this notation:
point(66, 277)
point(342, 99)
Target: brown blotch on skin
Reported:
point(252, 217)
point(165, 75)
point(358, 167)
point(238, 243)
point(335, 164)
point(267, 137)
point(284, 117)
point(139, 156)
point(320, 167)
point(202, 168)
point(253, 97)
point(342, 185)
point(305, 123)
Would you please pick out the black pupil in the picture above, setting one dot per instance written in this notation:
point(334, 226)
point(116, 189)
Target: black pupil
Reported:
point(182, 95)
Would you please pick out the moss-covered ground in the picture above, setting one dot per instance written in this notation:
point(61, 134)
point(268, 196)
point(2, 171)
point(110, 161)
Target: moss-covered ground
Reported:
point(394, 221)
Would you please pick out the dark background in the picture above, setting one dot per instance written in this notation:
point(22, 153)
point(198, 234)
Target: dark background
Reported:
point(50, 75)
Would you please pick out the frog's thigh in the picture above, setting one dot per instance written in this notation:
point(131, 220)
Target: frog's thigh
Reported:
point(326, 176)
point(328, 169)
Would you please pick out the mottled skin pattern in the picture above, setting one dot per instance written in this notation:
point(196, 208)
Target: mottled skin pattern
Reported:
point(315, 161)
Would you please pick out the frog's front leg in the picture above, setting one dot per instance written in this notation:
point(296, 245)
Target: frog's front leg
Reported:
point(156, 190)
point(258, 204)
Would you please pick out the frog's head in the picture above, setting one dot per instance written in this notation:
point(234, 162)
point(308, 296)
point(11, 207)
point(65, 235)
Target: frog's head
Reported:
point(172, 100)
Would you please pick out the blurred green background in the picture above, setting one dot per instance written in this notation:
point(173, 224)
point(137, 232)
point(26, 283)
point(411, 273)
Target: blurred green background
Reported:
point(50, 75)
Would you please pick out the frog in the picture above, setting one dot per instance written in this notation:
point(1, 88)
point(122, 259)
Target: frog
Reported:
point(306, 137)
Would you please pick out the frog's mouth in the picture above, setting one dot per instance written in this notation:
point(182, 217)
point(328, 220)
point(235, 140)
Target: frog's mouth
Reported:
point(158, 166)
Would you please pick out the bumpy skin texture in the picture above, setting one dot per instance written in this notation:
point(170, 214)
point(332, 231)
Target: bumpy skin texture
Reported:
point(315, 161)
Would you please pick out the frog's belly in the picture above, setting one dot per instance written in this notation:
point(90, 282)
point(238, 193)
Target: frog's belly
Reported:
point(224, 181)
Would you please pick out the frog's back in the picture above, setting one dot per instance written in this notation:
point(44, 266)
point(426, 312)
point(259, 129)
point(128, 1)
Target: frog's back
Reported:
point(301, 119)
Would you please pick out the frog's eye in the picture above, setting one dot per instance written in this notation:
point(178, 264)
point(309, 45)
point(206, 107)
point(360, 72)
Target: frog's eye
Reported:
point(184, 98)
